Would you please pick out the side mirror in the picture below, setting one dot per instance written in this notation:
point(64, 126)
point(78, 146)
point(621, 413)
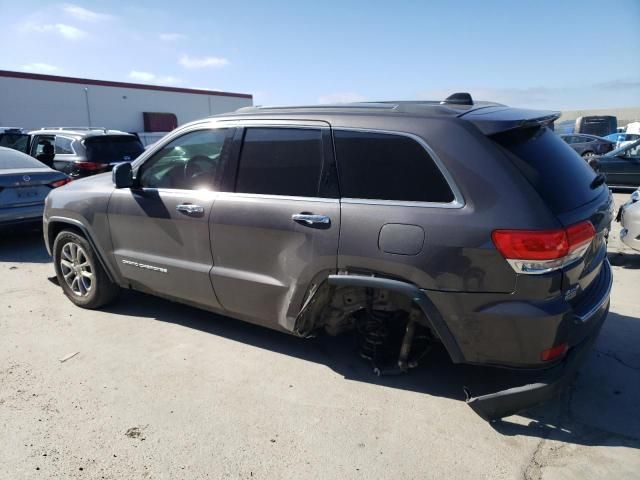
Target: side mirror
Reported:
point(122, 175)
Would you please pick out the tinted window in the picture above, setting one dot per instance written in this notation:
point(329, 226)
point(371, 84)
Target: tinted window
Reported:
point(112, 148)
point(387, 167)
point(280, 161)
point(556, 171)
point(63, 146)
point(17, 141)
point(192, 161)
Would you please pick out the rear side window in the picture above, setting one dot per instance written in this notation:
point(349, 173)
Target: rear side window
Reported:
point(113, 148)
point(280, 161)
point(63, 146)
point(381, 166)
point(561, 177)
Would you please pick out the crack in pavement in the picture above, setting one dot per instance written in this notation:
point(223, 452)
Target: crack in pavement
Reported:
point(615, 357)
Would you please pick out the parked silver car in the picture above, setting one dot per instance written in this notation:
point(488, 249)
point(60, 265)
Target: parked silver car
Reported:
point(24, 184)
point(630, 220)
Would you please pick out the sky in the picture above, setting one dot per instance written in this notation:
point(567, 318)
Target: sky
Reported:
point(541, 54)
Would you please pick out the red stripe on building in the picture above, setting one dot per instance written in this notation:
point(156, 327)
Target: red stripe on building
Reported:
point(106, 83)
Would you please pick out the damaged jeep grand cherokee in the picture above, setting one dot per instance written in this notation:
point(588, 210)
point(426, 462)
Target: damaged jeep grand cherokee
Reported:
point(409, 223)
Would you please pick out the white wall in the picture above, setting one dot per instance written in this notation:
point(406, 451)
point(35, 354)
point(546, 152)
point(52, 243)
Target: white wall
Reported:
point(33, 104)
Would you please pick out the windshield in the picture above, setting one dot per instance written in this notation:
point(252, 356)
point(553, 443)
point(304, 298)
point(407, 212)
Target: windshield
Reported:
point(113, 148)
point(621, 150)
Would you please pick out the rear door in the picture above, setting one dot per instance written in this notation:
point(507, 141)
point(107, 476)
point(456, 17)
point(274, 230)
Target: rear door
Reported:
point(275, 232)
point(160, 227)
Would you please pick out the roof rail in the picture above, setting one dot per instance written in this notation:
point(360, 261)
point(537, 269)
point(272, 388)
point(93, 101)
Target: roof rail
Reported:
point(366, 105)
point(75, 128)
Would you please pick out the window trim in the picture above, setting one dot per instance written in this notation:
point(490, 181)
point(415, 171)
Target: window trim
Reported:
point(458, 199)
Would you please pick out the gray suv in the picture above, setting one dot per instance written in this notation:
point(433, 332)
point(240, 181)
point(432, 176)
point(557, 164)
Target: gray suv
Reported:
point(405, 223)
point(79, 151)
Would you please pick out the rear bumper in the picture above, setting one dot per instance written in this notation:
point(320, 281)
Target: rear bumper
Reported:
point(629, 216)
point(27, 214)
point(553, 380)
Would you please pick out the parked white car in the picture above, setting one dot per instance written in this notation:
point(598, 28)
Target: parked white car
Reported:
point(630, 220)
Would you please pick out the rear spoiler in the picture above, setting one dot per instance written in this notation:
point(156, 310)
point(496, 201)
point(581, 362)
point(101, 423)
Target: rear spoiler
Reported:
point(492, 120)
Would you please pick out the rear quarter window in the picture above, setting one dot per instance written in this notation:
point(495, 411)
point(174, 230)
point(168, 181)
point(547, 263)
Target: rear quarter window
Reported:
point(561, 177)
point(382, 166)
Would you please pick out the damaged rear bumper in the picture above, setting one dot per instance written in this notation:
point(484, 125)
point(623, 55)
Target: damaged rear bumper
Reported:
point(552, 382)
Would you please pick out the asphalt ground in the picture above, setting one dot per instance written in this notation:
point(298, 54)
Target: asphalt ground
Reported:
point(154, 389)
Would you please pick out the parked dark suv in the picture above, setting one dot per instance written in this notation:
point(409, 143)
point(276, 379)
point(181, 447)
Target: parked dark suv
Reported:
point(407, 223)
point(80, 151)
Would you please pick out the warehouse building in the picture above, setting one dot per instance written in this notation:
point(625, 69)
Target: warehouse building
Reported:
point(31, 101)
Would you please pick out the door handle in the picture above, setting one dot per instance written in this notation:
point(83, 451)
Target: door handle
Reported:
point(190, 209)
point(310, 220)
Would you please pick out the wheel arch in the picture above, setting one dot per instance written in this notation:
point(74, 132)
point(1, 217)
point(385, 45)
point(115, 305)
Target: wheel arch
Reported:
point(57, 224)
point(433, 317)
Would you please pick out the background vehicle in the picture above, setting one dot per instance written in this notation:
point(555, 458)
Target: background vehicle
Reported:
point(24, 184)
point(15, 138)
point(77, 151)
point(404, 223)
point(80, 152)
point(622, 139)
point(588, 145)
point(599, 125)
point(629, 217)
point(621, 166)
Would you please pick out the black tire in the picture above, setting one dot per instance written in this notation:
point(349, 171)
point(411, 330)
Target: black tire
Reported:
point(80, 273)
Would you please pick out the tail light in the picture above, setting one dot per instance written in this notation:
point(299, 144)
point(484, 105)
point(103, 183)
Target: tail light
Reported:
point(90, 165)
point(59, 183)
point(554, 352)
point(543, 251)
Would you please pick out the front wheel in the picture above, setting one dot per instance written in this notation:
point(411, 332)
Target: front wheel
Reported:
point(79, 272)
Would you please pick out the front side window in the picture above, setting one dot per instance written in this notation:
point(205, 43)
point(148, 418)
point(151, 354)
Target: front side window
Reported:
point(44, 145)
point(192, 162)
point(281, 161)
point(381, 166)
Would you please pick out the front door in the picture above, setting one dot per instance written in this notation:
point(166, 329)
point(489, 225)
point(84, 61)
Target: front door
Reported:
point(276, 234)
point(623, 169)
point(160, 229)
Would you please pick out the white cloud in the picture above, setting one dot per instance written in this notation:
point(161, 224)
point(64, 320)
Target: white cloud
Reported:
point(172, 37)
point(84, 14)
point(67, 31)
point(202, 62)
point(141, 76)
point(40, 67)
point(344, 97)
point(149, 77)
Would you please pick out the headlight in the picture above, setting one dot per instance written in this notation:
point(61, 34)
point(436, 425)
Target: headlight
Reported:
point(635, 196)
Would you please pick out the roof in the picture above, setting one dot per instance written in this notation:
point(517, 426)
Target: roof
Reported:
point(406, 107)
point(107, 83)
